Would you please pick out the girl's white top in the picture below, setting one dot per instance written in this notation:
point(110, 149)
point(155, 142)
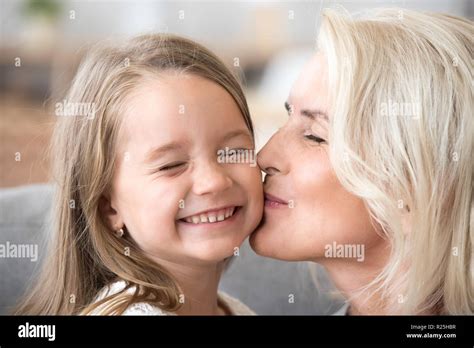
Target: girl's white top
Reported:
point(143, 308)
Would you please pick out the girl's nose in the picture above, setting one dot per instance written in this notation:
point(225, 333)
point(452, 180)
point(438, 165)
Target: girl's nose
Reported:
point(211, 178)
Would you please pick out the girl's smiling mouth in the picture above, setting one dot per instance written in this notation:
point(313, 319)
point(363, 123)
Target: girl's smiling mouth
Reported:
point(215, 216)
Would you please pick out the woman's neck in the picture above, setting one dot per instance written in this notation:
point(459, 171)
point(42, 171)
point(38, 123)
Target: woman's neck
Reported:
point(349, 276)
point(199, 284)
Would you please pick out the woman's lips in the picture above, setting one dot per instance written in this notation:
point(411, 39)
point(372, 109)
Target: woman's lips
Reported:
point(274, 202)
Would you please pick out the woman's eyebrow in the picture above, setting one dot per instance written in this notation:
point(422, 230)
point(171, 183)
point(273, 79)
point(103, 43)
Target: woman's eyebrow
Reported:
point(310, 113)
point(313, 114)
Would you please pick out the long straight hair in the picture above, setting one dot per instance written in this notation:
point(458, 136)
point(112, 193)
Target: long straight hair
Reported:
point(402, 139)
point(84, 254)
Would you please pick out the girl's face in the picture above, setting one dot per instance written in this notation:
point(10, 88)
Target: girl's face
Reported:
point(177, 201)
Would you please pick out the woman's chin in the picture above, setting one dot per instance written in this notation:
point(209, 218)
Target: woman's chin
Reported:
point(265, 242)
point(278, 241)
point(258, 241)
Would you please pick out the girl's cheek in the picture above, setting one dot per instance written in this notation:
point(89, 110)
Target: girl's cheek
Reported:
point(249, 178)
point(257, 178)
point(255, 187)
point(155, 226)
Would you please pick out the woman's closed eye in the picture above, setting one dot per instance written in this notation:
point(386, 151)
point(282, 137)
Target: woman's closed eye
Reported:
point(314, 138)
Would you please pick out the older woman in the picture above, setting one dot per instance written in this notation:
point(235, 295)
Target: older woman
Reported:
point(372, 175)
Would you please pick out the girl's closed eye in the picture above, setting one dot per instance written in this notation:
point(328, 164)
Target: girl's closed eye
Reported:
point(171, 166)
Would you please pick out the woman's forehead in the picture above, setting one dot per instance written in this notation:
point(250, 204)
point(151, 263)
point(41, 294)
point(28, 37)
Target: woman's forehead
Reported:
point(310, 90)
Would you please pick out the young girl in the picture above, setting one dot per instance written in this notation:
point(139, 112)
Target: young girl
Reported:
point(145, 214)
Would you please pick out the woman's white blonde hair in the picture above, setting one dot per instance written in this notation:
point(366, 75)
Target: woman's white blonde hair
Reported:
point(402, 138)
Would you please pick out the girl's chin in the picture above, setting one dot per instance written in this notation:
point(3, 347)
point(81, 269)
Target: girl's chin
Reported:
point(215, 252)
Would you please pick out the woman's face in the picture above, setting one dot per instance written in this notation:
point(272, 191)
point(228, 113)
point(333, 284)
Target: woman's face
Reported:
point(177, 201)
point(306, 208)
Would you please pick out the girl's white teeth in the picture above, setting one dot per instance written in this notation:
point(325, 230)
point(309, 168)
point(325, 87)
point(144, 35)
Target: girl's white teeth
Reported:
point(221, 215)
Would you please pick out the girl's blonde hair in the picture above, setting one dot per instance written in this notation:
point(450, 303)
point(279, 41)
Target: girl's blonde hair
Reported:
point(401, 138)
point(85, 255)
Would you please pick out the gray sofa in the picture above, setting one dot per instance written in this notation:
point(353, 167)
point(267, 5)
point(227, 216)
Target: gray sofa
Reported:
point(263, 284)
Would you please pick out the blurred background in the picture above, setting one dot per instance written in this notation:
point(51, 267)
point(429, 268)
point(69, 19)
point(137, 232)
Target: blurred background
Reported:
point(42, 42)
point(41, 45)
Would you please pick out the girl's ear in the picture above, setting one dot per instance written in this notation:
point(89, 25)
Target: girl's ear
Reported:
point(110, 216)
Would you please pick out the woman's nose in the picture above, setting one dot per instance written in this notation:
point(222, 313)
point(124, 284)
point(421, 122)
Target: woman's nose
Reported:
point(271, 158)
point(211, 178)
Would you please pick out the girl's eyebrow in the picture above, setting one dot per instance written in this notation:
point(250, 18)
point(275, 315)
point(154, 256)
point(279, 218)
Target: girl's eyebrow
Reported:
point(161, 150)
point(176, 146)
point(235, 134)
